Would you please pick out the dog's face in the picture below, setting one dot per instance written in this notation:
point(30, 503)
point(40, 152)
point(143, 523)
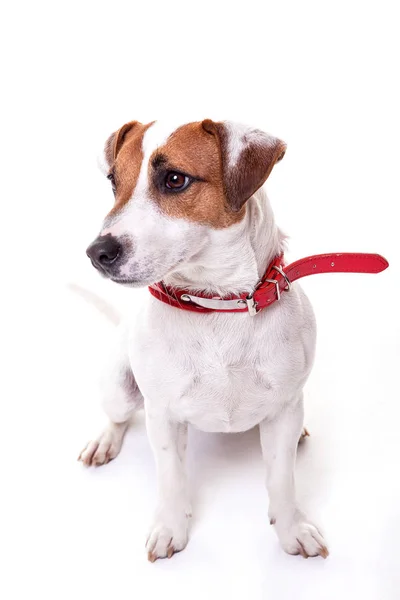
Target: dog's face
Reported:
point(172, 186)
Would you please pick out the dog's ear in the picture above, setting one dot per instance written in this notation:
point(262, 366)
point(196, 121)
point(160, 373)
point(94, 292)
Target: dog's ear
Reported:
point(116, 141)
point(247, 158)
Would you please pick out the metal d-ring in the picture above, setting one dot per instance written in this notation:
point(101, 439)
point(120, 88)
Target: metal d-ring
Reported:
point(285, 277)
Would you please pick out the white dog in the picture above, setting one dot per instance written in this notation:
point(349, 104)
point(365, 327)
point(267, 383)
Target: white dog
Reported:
point(190, 212)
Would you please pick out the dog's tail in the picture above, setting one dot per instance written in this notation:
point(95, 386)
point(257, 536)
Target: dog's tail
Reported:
point(102, 305)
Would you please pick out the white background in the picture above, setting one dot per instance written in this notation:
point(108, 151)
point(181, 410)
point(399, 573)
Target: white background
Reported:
point(323, 76)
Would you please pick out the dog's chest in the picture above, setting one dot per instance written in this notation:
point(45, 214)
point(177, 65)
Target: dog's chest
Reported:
point(220, 373)
point(227, 397)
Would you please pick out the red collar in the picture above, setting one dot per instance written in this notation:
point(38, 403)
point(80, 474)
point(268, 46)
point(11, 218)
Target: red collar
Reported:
point(277, 278)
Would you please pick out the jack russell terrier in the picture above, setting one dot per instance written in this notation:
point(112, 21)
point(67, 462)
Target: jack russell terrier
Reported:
point(192, 221)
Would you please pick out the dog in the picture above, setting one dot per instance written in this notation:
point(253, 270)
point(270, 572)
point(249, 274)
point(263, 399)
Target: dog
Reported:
point(191, 211)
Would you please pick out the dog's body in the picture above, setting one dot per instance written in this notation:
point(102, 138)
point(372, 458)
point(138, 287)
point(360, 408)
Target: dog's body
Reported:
point(218, 372)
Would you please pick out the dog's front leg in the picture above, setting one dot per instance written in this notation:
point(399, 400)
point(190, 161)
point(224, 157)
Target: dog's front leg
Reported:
point(169, 532)
point(279, 440)
point(121, 397)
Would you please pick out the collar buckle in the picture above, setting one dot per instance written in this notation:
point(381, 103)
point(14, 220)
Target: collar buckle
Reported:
point(252, 305)
point(277, 288)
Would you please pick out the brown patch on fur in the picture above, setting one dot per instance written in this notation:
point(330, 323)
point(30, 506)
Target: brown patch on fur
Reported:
point(115, 141)
point(191, 150)
point(124, 155)
point(254, 163)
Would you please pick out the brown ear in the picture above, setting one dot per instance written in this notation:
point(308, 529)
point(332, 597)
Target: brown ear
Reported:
point(116, 140)
point(247, 158)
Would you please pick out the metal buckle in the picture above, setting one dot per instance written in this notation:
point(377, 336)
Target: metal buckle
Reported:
point(278, 291)
point(285, 277)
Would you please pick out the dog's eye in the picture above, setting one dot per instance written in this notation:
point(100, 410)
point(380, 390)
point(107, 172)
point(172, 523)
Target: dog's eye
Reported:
point(176, 181)
point(111, 177)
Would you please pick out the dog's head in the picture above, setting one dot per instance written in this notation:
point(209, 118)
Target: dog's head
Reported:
point(171, 186)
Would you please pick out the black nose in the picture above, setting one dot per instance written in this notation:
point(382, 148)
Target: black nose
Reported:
point(104, 251)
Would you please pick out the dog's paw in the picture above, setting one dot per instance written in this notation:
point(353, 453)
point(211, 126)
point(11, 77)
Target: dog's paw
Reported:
point(167, 537)
point(104, 448)
point(301, 537)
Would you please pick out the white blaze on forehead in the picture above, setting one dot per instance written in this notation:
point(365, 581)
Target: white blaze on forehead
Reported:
point(155, 137)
